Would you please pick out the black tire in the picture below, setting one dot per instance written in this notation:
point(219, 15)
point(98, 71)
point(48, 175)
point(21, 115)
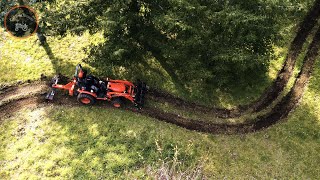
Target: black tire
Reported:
point(117, 102)
point(75, 92)
point(86, 99)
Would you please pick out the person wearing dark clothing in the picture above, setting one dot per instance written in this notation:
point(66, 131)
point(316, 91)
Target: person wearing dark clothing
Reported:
point(93, 84)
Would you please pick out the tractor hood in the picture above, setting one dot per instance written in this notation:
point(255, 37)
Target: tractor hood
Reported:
point(116, 87)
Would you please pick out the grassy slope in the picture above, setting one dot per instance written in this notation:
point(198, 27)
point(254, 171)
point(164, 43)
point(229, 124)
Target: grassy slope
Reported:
point(94, 142)
point(84, 142)
point(22, 60)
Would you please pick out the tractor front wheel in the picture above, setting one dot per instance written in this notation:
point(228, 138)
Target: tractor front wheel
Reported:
point(117, 102)
point(86, 99)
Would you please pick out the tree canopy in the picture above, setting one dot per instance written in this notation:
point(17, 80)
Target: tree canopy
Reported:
point(217, 42)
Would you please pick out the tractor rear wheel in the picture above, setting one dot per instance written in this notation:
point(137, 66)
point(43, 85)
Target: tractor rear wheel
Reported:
point(117, 102)
point(86, 99)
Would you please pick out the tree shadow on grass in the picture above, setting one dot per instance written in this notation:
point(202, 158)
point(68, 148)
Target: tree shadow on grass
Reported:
point(58, 65)
point(97, 142)
point(54, 60)
point(196, 89)
point(105, 143)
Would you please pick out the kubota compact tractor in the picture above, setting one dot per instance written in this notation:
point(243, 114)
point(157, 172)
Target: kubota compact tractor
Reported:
point(89, 89)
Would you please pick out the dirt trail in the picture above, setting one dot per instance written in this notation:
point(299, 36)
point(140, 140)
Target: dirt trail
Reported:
point(22, 91)
point(272, 93)
point(279, 112)
point(30, 96)
point(11, 107)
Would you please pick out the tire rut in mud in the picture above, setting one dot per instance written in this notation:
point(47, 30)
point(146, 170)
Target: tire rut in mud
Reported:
point(11, 107)
point(20, 90)
point(271, 93)
point(279, 112)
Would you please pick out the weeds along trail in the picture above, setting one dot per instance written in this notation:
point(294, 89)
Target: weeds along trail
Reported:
point(271, 93)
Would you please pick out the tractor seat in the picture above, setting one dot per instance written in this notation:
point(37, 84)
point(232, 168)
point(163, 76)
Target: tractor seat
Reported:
point(81, 78)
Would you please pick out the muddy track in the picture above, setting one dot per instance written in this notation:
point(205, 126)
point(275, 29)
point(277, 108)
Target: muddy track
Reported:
point(24, 89)
point(272, 93)
point(11, 107)
point(279, 112)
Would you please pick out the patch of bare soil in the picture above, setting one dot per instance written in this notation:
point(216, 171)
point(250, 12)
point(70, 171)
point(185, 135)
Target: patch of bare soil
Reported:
point(8, 109)
point(22, 90)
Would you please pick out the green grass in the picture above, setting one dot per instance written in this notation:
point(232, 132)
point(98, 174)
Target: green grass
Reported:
point(70, 143)
point(23, 60)
point(92, 142)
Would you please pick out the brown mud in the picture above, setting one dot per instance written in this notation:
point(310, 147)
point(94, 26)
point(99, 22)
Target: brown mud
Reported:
point(21, 90)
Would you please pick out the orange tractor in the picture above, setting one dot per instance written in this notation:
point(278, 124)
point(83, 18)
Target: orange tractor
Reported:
point(89, 89)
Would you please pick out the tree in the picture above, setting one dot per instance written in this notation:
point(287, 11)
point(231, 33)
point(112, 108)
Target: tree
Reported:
point(217, 42)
